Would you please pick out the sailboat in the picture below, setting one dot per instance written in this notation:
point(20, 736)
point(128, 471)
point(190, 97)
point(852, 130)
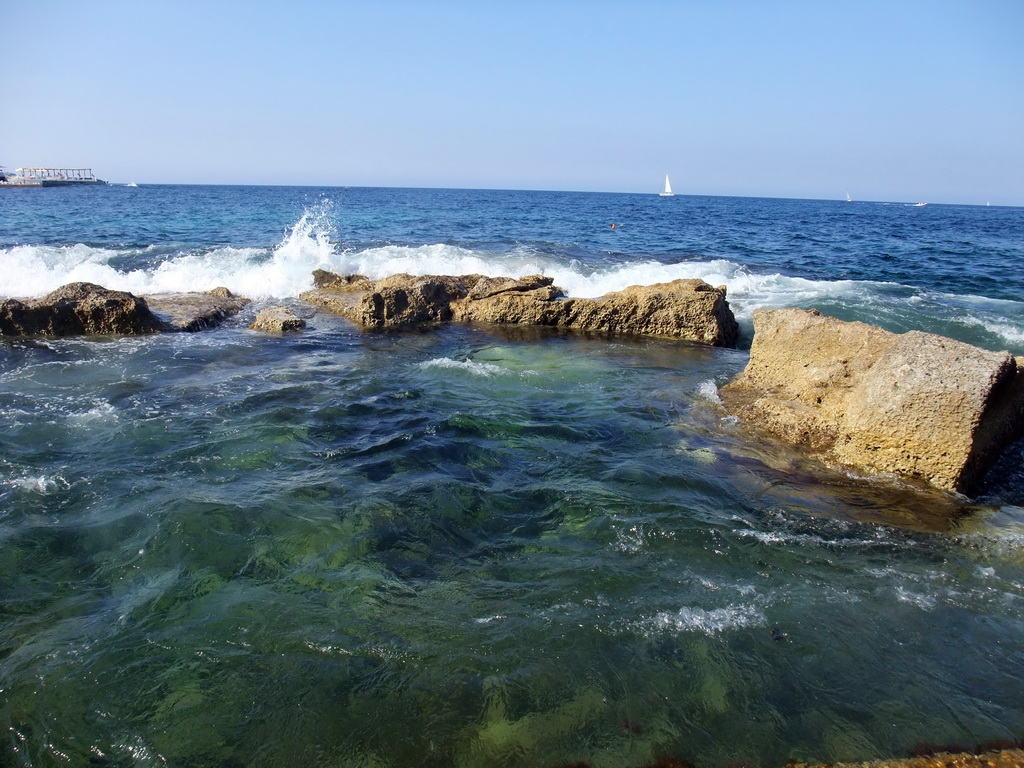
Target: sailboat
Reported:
point(667, 192)
point(848, 198)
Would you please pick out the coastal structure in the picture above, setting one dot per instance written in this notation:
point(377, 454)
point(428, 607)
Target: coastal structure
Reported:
point(49, 177)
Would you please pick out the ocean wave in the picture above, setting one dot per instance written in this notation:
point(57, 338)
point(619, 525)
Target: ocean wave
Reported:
point(1003, 328)
point(258, 273)
point(285, 270)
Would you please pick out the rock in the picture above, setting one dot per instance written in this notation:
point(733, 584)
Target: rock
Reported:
point(402, 301)
point(486, 287)
point(686, 309)
point(399, 301)
point(996, 758)
point(683, 309)
point(329, 280)
point(78, 309)
point(192, 312)
point(277, 319)
point(916, 405)
point(85, 308)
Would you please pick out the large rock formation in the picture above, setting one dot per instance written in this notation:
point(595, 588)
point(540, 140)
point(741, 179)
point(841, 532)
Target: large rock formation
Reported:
point(685, 309)
point(80, 309)
point(915, 405)
point(77, 309)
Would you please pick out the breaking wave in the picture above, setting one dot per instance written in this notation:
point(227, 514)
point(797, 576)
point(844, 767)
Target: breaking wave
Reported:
point(285, 270)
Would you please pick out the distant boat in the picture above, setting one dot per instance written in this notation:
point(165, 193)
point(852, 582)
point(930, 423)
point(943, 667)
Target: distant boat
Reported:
point(918, 205)
point(848, 198)
point(667, 192)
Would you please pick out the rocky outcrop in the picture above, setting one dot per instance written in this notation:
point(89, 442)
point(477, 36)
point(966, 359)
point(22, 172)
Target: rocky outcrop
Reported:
point(79, 309)
point(684, 309)
point(331, 281)
point(277, 319)
point(916, 405)
point(192, 312)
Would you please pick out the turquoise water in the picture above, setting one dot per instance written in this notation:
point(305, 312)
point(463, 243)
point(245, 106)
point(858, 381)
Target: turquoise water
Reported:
point(478, 547)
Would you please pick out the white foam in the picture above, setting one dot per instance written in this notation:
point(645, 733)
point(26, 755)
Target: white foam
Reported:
point(41, 484)
point(1011, 333)
point(489, 619)
point(468, 366)
point(284, 271)
point(708, 622)
point(583, 283)
point(37, 270)
point(709, 391)
point(437, 259)
point(788, 538)
point(104, 412)
point(922, 601)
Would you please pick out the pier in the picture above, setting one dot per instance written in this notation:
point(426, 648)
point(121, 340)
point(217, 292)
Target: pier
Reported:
point(49, 177)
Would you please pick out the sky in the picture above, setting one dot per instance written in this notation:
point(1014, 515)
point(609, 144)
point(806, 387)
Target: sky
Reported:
point(903, 100)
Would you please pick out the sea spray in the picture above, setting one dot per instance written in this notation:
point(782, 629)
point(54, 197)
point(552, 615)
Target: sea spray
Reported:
point(36, 270)
point(258, 273)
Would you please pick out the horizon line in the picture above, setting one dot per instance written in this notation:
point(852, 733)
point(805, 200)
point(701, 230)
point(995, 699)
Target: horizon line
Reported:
point(555, 191)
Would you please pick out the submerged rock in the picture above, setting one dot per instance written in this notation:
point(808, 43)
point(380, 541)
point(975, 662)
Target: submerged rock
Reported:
point(915, 405)
point(195, 311)
point(79, 309)
point(684, 309)
point(277, 319)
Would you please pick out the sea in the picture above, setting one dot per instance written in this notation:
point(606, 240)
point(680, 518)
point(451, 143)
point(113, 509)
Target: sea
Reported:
point(478, 546)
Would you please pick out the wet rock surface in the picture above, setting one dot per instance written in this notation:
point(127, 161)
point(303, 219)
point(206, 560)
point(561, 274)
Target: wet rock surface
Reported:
point(78, 309)
point(192, 312)
point(916, 405)
point(82, 309)
point(683, 309)
point(277, 319)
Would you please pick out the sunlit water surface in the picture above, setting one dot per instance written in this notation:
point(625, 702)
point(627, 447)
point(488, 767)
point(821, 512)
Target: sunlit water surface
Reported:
point(477, 547)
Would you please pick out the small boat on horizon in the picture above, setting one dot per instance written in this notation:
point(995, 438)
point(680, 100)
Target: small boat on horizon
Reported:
point(848, 198)
point(667, 191)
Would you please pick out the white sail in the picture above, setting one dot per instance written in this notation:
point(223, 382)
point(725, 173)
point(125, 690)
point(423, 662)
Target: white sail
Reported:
point(667, 192)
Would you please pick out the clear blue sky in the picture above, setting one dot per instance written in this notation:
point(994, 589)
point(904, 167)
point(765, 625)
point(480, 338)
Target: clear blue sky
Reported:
point(890, 100)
